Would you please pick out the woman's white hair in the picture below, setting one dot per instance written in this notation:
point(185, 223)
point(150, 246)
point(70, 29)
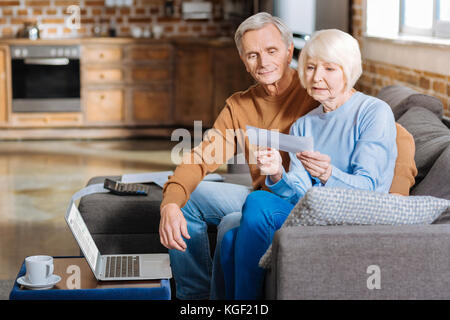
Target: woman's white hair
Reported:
point(334, 46)
point(258, 21)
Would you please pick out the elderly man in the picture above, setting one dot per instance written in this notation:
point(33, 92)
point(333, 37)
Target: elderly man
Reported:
point(275, 102)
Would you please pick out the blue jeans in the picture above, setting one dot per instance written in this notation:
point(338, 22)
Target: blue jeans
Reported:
point(215, 203)
point(242, 248)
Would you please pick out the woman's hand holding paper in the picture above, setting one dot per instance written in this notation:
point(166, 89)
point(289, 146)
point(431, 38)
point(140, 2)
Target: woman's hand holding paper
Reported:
point(269, 162)
point(317, 164)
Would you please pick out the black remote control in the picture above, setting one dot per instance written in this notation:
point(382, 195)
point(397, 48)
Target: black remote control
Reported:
point(126, 189)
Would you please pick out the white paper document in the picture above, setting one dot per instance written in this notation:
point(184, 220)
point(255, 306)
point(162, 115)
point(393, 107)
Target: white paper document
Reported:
point(279, 141)
point(160, 178)
point(157, 177)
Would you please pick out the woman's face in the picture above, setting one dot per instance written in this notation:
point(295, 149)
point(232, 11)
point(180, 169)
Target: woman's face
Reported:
point(325, 81)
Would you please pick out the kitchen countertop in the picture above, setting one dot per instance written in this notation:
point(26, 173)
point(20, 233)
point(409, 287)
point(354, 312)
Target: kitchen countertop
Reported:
point(117, 40)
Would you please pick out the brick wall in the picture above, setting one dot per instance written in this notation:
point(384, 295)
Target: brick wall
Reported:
point(377, 74)
point(51, 15)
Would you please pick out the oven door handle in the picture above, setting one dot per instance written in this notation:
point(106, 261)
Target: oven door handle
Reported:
point(48, 61)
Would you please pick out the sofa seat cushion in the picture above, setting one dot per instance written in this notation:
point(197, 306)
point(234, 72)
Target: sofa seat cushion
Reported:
point(106, 213)
point(431, 137)
point(437, 181)
point(336, 206)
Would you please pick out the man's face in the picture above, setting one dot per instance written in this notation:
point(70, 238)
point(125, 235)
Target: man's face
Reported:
point(265, 54)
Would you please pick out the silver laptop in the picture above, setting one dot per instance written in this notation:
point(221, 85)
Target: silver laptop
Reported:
point(118, 266)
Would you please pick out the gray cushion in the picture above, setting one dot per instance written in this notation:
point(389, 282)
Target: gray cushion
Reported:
point(431, 137)
point(444, 218)
point(336, 206)
point(106, 213)
point(437, 181)
point(123, 224)
point(401, 99)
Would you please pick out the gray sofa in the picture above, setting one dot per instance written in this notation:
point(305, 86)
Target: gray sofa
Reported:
point(325, 262)
point(345, 262)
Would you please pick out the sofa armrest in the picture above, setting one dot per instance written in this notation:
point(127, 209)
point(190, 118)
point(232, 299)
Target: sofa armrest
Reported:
point(360, 262)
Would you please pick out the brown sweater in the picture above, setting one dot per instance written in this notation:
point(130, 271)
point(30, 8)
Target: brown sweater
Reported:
point(254, 107)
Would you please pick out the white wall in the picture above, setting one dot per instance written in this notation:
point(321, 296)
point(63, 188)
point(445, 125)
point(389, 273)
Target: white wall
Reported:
point(299, 15)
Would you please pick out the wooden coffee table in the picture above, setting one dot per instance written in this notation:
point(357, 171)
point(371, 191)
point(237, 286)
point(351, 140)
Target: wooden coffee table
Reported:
point(78, 282)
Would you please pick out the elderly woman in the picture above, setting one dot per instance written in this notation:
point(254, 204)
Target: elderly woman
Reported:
point(354, 141)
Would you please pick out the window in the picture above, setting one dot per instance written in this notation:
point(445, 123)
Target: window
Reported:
point(442, 27)
point(409, 17)
point(383, 17)
point(417, 17)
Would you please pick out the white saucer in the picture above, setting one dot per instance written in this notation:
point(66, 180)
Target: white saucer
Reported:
point(53, 279)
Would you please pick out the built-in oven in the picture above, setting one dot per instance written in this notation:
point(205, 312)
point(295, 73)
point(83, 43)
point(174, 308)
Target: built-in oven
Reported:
point(45, 78)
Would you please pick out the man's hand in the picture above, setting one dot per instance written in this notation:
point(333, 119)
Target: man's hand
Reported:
point(270, 163)
point(318, 165)
point(172, 226)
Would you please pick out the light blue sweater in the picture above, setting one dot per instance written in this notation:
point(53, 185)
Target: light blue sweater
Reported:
point(360, 138)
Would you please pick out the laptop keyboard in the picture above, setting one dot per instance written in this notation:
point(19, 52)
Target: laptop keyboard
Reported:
point(122, 266)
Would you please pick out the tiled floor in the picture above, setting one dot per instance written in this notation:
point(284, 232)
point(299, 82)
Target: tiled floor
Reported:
point(37, 179)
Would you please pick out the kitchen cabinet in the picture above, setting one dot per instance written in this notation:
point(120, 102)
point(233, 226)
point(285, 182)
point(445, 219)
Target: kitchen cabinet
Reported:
point(229, 76)
point(132, 87)
point(98, 75)
point(102, 54)
point(149, 53)
point(102, 84)
point(4, 93)
point(46, 119)
point(193, 84)
point(151, 79)
point(166, 83)
point(206, 75)
point(127, 84)
point(152, 105)
point(104, 106)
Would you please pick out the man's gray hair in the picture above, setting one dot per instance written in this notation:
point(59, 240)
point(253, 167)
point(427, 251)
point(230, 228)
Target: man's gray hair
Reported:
point(258, 21)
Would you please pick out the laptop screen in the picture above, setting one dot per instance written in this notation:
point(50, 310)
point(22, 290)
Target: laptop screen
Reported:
point(83, 236)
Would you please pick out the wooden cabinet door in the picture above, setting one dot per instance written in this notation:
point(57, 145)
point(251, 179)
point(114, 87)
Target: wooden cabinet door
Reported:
point(3, 84)
point(147, 74)
point(152, 53)
point(101, 54)
point(230, 76)
point(105, 106)
point(152, 106)
point(96, 75)
point(193, 85)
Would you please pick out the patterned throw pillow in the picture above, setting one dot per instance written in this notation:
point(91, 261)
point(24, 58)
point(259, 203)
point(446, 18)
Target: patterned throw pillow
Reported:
point(333, 206)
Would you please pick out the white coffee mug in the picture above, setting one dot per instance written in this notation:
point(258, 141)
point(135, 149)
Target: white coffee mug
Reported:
point(39, 269)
